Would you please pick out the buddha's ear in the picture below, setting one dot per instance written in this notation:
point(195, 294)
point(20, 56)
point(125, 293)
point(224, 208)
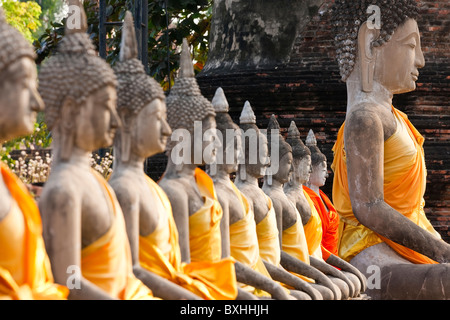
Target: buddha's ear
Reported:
point(67, 127)
point(125, 136)
point(367, 57)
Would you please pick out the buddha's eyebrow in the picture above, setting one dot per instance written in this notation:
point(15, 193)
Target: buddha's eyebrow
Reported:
point(412, 34)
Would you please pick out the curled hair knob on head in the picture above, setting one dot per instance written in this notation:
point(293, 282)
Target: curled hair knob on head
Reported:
point(273, 131)
point(316, 155)
point(299, 150)
point(221, 107)
point(185, 103)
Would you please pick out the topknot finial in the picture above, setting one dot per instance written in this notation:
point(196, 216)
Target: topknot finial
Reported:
point(247, 115)
point(273, 123)
point(186, 66)
point(128, 45)
point(77, 20)
point(219, 101)
point(311, 139)
point(293, 131)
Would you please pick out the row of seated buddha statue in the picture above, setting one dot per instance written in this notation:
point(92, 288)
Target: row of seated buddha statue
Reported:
point(195, 234)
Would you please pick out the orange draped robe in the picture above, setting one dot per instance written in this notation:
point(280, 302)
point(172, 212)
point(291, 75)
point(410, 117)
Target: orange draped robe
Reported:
point(107, 262)
point(313, 230)
point(25, 271)
point(404, 187)
point(329, 219)
point(159, 252)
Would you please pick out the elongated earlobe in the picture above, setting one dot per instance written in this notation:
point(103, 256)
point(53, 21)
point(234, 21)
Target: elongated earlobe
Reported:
point(367, 58)
point(125, 136)
point(67, 129)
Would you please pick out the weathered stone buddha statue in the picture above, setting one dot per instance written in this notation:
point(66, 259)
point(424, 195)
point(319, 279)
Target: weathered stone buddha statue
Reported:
point(191, 192)
point(84, 228)
point(25, 272)
point(251, 168)
point(379, 168)
point(292, 235)
point(144, 132)
point(295, 189)
point(323, 205)
point(238, 215)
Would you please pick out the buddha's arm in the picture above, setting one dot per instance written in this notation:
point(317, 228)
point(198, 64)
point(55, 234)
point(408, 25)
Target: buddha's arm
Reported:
point(281, 275)
point(278, 207)
point(253, 278)
point(225, 226)
point(345, 266)
point(295, 265)
point(161, 287)
point(332, 271)
point(179, 202)
point(61, 217)
point(364, 145)
point(129, 203)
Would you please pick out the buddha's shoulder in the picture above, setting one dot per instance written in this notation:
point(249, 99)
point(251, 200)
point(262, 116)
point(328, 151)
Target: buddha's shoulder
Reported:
point(174, 187)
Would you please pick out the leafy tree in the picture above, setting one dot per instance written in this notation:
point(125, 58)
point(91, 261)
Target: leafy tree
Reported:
point(23, 15)
point(186, 19)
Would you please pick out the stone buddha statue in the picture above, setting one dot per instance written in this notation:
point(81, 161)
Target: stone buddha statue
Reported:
point(191, 192)
point(144, 132)
point(251, 168)
point(379, 168)
point(294, 247)
point(24, 269)
point(323, 205)
point(84, 227)
point(296, 191)
point(238, 213)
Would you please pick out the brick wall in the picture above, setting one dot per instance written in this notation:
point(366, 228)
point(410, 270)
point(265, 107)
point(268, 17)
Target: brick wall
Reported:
point(307, 90)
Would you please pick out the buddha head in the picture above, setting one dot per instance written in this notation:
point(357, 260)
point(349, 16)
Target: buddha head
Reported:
point(230, 135)
point(319, 172)
point(19, 98)
point(191, 117)
point(378, 42)
point(282, 170)
point(301, 163)
point(141, 103)
point(79, 91)
point(255, 159)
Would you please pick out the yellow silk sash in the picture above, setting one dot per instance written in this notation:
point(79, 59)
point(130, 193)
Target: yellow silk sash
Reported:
point(404, 187)
point(268, 239)
point(244, 242)
point(198, 277)
point(31, 263)
point(107, 261)
point(313, 230)
point(294, 240)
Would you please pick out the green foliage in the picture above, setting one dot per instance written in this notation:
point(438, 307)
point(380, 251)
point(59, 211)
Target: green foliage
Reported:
point(187, 19)
point(51, 10)
point(23, 15)
point(39, 139)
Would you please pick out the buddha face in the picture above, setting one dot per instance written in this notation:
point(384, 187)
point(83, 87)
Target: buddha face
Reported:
point(97, 120)
point(209, 142)
point(399, 59)
point(257, 164)
point(232, 147)
point(319, 174)
point(284, 169)
point(302, 170)
point(151, 129)
point(19, 99)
